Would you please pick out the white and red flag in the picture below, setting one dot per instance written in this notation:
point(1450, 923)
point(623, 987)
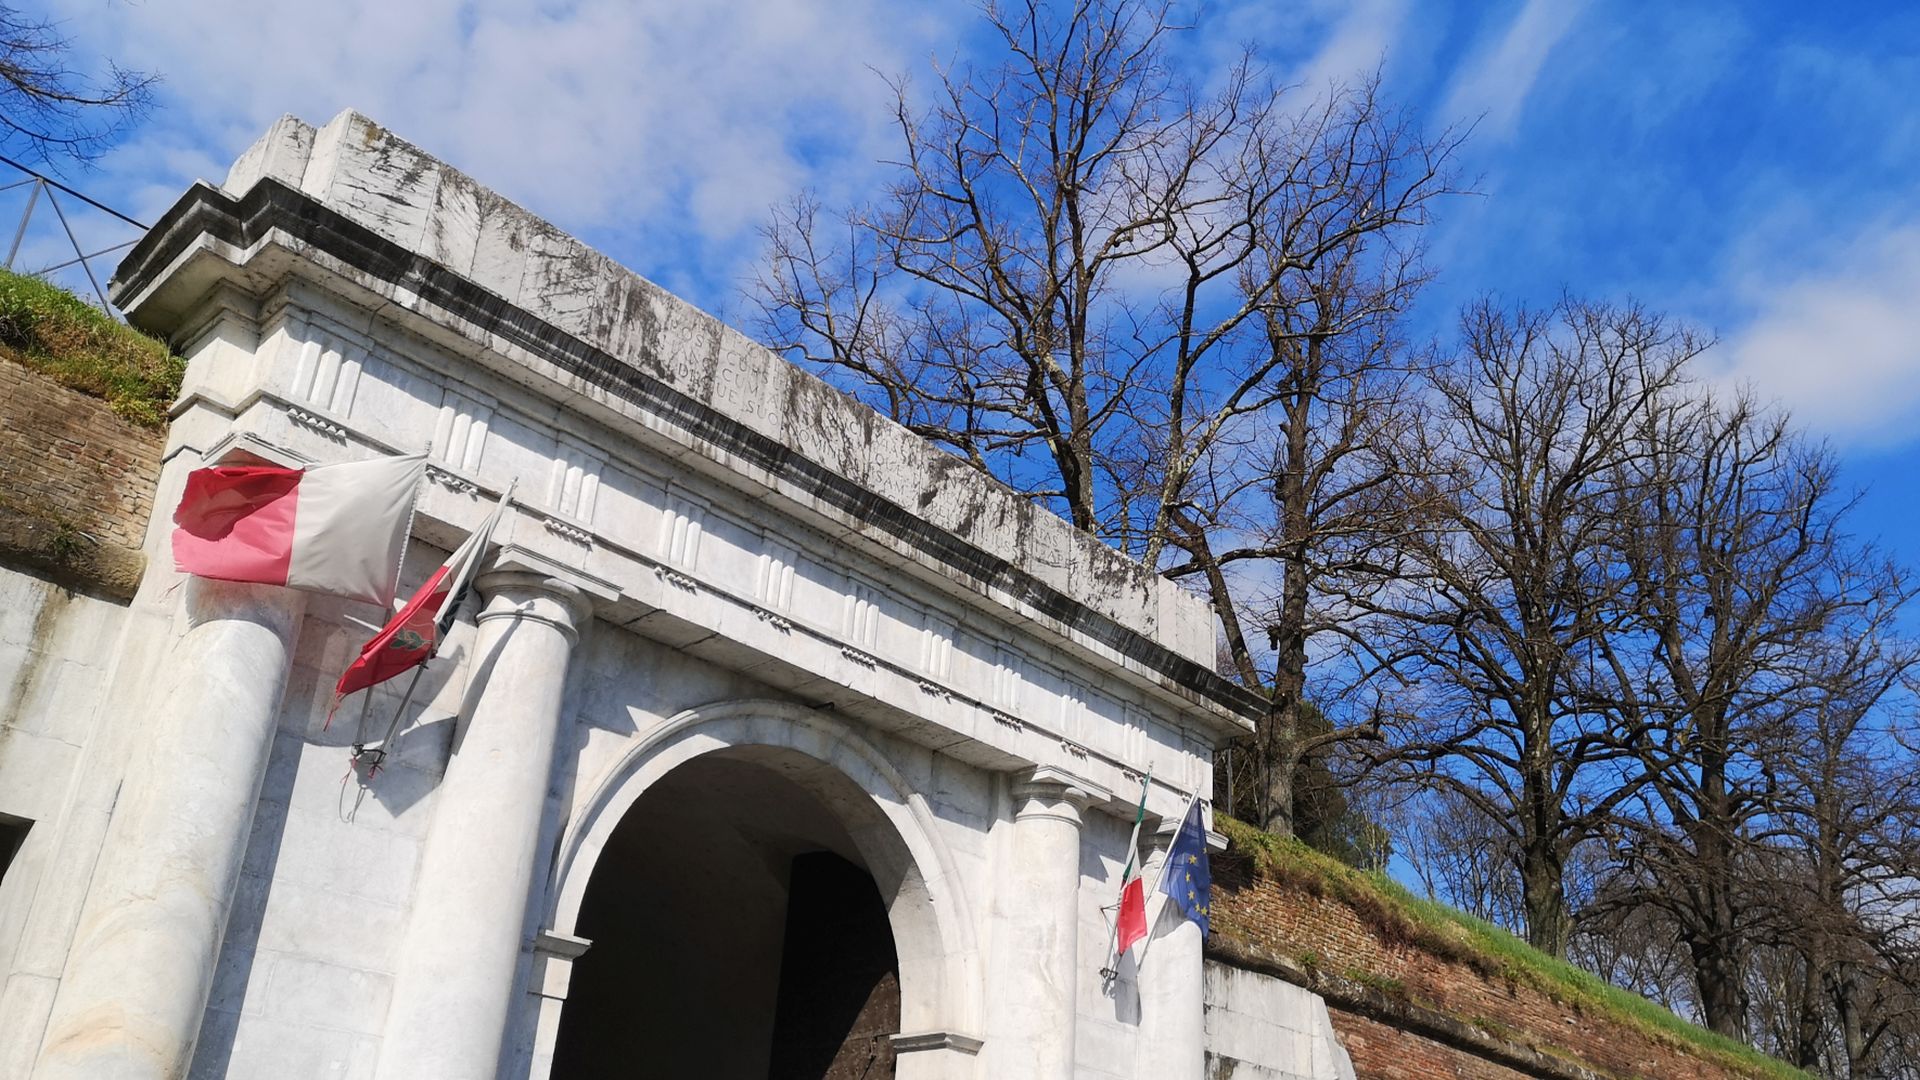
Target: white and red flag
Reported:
point(414, 634)
point(335, 529)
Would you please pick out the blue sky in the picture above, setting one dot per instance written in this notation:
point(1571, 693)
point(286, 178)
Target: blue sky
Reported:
point(1753, 168)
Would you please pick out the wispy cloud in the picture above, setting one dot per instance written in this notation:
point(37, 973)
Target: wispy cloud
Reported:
point(1839, 345)
point(1313, 44)
point(667, 129)
point(1355, 45)
point(1495, 79)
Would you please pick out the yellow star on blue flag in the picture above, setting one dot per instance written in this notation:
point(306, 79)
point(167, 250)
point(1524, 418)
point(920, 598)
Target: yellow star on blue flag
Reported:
point(1193, 889)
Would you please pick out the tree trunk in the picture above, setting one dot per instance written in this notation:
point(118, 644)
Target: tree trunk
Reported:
point(1288, 634)
point(1282, 762)
point(1807, 1026)
point(1542, 883)
point(1717, 969)
point(1716, 941)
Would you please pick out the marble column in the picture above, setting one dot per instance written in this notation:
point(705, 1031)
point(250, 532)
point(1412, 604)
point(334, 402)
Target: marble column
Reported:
point(1171, 982)
point(455, 982)
point(142, 961)
point(1033, 997)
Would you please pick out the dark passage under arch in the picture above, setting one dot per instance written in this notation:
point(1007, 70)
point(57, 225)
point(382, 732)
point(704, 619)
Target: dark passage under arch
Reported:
point(735, 935)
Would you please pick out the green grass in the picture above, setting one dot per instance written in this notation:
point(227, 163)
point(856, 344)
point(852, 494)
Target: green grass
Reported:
point(79, 346)
point(1398, 916)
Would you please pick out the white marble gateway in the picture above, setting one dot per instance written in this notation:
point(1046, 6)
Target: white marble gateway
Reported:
point(736, 618)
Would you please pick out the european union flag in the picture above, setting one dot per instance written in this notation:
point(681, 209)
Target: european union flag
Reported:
point(1188, 880)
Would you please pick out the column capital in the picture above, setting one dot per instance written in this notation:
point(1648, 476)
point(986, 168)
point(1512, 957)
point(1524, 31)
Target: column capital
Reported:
point(1052, 792)
point(1161, 838)
point(534, 597)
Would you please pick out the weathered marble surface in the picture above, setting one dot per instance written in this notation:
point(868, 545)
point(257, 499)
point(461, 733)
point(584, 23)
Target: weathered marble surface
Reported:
point(758, 568)
point(1262, 1028)
point(392, 187)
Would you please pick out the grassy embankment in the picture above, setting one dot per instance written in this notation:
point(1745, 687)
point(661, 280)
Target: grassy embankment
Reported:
point(1396, 914)
point(52, 331)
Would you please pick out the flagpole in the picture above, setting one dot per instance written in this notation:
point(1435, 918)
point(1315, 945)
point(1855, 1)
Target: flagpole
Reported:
point(406, 535)
point(459, 585)
point(1160, 878)
point(467, 571)
point(1109, 970)
point(380, 753)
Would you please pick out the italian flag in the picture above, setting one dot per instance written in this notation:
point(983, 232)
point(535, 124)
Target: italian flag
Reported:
point(334, 529)
point(414, 633)
point(1131, 925)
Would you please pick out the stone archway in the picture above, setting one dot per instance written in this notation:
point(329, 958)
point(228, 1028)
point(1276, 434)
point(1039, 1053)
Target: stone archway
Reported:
point(801, 783)
point(736, 933)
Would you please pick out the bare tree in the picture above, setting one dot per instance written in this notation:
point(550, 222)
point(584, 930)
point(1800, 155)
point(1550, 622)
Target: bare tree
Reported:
point(1843, 854)
point(49, 109)
point(1462, 857)
point(1285, 515)
point(1139, 302)
point(1506, 590)
point(1742, 581)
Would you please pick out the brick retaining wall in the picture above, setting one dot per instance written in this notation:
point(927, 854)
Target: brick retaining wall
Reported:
point(76, 484)
point(1404, 1013)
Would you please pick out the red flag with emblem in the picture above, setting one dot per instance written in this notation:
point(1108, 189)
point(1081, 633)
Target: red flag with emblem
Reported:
point(414, 634)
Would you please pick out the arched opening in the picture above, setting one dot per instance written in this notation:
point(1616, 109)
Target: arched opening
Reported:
point(738, 931)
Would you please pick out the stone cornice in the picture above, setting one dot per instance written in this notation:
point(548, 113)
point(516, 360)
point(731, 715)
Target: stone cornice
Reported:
point(270, 206)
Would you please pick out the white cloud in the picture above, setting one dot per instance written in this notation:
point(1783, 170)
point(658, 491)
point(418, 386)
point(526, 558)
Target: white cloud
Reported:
point(663, 129)
point(1356, 45)
point(1839, 344)
point(1494, 81)
point(1314, 44)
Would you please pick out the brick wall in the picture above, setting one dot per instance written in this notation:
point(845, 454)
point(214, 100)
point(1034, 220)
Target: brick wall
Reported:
point(1403, 1012)
point(76, 484)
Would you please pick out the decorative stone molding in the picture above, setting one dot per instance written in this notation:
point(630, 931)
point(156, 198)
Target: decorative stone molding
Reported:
point(860, 616)
point(460, 434)
point(865, 660)
point(934, 689)
point(566, 530)
point(1006, 719)
point(1009, 675)
point(681, 527)
point(326, 371)
point(452, 481)
point(243, 447)
point(270, 207)
point(564, 946)
point(935, 1040)
point(1052, 792)
point(514, 558)
point(574, 482)
point(773, 583)
point(677, 579)
point(534, 597)
point(318, 423)
point(936, 647)
point(774, 619)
